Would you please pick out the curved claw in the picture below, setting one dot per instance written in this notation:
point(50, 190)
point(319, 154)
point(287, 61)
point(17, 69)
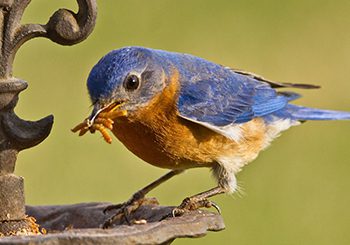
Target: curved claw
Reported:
point(25, 134)
point(173, 213)
point(213, 204)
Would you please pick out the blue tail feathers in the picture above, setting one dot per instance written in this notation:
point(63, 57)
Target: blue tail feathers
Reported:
point(301, 113)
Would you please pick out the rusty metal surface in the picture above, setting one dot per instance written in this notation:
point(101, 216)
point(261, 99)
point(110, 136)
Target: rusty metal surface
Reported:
point(64, 27)
point(12, 205)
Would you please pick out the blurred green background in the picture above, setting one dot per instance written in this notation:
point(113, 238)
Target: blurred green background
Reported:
point(296, 192)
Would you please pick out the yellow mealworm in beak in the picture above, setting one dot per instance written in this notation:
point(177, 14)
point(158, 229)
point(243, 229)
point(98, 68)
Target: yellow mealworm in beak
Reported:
point(104, 132)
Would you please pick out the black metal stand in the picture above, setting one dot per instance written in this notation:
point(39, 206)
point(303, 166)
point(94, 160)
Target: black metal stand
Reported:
point(64, 27)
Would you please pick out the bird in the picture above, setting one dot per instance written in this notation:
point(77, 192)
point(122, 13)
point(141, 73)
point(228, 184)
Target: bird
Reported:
point(178, 111)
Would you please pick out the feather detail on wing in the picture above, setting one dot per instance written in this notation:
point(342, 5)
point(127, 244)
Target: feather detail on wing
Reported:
point(231, 131)
point(222, 105)
point(275, 84)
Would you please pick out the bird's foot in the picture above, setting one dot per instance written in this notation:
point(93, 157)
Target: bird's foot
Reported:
point(124, 210)
point(193, 203)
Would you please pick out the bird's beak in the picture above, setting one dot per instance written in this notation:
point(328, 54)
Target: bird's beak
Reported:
point(110, 110)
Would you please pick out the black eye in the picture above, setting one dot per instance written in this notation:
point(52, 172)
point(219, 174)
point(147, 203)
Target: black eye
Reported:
point(131, 82)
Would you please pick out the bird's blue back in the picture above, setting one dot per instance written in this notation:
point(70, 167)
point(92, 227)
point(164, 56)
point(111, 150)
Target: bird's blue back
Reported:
point(209, 93)
point(219, 96)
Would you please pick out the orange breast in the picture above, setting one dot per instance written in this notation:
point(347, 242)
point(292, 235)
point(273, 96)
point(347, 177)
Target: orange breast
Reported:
point(160, 137)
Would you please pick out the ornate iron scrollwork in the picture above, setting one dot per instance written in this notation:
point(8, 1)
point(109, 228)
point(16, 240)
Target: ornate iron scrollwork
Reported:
point(64, 27)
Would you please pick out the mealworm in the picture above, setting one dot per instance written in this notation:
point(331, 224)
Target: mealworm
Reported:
point(104, 132)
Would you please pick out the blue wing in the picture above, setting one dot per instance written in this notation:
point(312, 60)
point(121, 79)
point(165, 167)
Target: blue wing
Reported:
point(218, 97)
point(235, 99)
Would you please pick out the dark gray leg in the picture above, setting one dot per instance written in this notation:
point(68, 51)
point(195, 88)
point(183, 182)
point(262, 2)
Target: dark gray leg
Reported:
point(136, 200)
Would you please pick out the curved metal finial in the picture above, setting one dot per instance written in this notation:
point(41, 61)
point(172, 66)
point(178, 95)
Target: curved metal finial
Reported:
point(68, 28)
point(64, 27)
point(30, 133)
point(22, 134)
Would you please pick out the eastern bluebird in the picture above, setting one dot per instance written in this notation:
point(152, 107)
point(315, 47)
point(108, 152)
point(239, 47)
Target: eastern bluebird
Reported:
point(178, 111)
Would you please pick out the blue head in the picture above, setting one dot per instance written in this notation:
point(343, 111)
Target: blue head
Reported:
point(132, 75)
